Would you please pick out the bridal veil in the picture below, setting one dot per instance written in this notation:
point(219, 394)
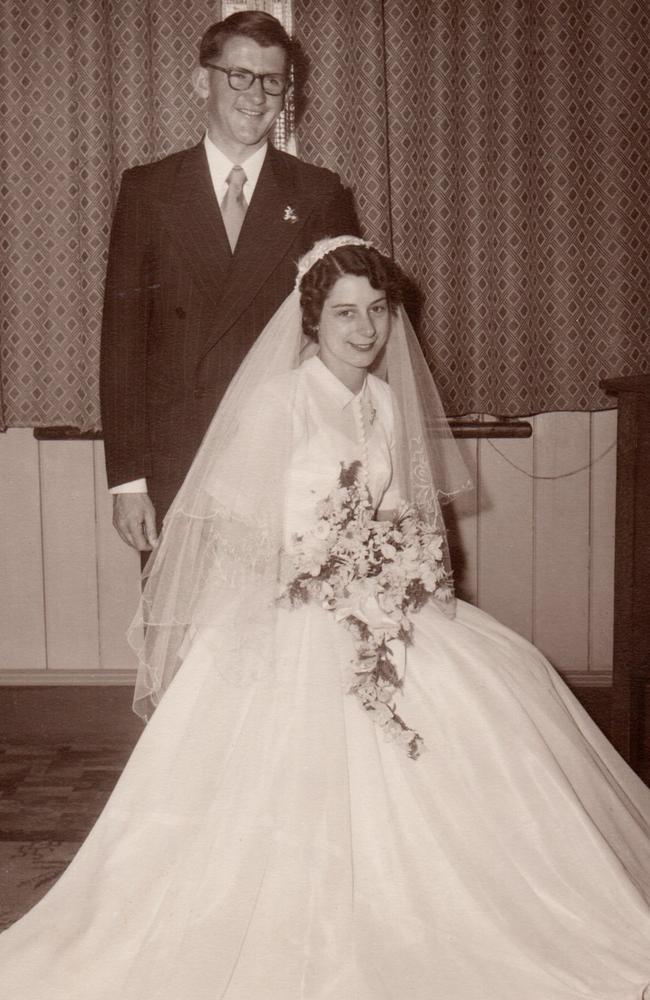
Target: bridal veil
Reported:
point(217, 564)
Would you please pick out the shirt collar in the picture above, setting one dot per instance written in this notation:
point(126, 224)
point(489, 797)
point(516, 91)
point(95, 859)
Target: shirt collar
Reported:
point(220, 166)
point(341, 395)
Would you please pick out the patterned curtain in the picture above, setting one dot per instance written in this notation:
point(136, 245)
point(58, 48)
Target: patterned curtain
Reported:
point(89, 87)
point(501, 151)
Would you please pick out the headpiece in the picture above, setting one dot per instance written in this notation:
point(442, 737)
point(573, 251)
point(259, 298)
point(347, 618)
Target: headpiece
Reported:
point(322, 248)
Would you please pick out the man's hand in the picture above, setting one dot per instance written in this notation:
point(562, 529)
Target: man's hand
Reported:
point(134, 518)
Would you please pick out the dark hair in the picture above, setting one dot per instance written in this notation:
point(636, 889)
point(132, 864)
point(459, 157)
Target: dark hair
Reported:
point(260, 27)
point(365, 262)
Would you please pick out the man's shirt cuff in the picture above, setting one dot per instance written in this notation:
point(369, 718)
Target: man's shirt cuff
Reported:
point(135, 486)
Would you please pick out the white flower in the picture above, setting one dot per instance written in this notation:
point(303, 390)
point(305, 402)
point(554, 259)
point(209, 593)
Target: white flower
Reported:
point(392, 731)
point(367, 609)
point(367, 690)
point(428, 577)
point(289, 215)
point(382, 714)
point(322, 530)
point(406, 737)
point(385, 695)
point(434, 548)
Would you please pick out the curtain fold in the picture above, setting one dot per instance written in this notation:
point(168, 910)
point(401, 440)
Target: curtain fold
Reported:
point(501, 152)
point(88, 89)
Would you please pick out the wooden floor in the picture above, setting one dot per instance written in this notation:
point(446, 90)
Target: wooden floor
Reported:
point(50, 796)
point(55, 792)
point(57, 769)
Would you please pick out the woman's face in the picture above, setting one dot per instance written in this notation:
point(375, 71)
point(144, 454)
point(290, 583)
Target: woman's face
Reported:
point(354, 326)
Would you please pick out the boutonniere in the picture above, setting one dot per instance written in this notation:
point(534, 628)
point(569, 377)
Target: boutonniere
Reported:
point(289, 215)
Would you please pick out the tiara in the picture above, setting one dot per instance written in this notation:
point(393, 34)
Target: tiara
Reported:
point(322, 248)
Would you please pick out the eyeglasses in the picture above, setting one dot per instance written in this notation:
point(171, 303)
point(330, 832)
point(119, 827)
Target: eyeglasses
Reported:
point(273, 84)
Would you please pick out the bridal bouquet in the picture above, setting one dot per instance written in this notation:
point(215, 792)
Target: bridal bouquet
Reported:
point(371, 574)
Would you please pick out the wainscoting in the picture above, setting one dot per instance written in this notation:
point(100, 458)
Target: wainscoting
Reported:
point(538, 553)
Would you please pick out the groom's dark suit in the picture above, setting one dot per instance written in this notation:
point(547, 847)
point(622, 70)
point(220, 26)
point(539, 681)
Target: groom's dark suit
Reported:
point(181, 311)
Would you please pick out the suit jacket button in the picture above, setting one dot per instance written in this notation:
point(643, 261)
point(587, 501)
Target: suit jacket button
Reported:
point(180, 312)
point(199, 391)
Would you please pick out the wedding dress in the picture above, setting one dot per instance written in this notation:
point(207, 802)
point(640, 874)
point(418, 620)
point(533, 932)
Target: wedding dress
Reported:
point(265, 843)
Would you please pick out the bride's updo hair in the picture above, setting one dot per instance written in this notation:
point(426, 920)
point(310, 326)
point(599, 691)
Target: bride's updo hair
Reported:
point(365, 262)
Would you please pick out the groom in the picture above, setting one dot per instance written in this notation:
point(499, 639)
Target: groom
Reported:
point(202, 252)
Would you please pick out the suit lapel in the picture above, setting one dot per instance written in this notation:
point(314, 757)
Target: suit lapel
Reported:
point(265, 239)
point(194, 222)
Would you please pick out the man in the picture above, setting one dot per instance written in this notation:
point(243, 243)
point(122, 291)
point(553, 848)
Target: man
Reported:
point(203, 250)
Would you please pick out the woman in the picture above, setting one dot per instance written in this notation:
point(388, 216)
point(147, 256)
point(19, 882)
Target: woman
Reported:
point(267, 841)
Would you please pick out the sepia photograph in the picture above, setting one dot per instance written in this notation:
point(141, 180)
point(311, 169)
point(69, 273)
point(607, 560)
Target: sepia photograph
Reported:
point(324, 500)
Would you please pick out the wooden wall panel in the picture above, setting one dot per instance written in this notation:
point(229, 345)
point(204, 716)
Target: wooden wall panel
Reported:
point(22, 608)
point(505, 537)
point(69, 555)
point(118, 573)
point(561, 538)
point(538, 554)
point(462, 524)
point(601, 535)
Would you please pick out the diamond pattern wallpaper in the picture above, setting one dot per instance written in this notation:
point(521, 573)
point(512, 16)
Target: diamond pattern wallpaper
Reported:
point(87, 88)
point(501, 150)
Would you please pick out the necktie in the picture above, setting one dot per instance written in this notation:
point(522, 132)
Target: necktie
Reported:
point(234, 205)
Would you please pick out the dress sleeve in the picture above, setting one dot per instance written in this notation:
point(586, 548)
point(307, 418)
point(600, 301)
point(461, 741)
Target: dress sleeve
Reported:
point(125, 324)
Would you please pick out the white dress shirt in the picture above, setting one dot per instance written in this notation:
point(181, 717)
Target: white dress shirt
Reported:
point(219, 166)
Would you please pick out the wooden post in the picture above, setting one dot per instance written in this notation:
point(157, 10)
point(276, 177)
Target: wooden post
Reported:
point(632, 564)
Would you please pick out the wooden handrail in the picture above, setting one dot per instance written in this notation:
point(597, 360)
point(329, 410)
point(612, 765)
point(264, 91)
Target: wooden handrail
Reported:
point(461, 427)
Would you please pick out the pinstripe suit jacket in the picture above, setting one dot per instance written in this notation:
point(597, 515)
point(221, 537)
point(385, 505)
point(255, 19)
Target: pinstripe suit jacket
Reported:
point(181, 311)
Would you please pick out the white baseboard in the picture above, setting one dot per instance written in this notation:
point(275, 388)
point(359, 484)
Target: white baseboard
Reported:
point(9, 678)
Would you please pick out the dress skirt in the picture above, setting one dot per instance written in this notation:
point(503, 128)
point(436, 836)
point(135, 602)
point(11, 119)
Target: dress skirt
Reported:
point(266, 843)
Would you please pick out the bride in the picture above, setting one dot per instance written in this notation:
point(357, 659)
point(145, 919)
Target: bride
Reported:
point(355, 787)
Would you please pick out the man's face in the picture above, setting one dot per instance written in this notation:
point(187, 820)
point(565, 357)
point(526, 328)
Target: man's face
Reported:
point(239, 121)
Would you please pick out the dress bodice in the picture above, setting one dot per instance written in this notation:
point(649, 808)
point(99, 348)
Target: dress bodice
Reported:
point(332, 425)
